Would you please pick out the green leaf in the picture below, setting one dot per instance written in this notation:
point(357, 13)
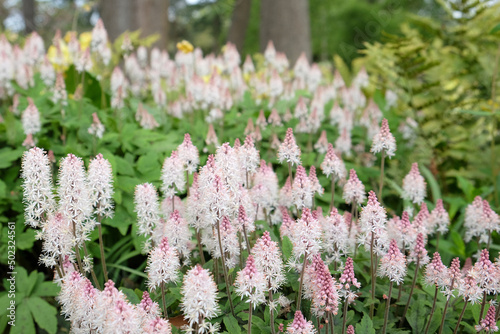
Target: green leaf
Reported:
point(24, 321)
point(8, 156)
point(124, 167)
point(22, 281)
point(495, 29)
point(45, 315)
point(458, 243)
point(148, 163)
point(130, 270)
point(365, 326)
point(231, 323)
point(287, 247)
point(131, 295)
point(47, 289)
point(417, 316)
point(431, 181)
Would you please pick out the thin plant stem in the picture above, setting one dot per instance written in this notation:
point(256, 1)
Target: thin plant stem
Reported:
point(246, 238)
point(92, 273)
point(80, 107)
point(387, 305)
point(101, 246)
point(372, 272)
point(437, 241)
point(163, 300)
point(444, 316)
point(224, 269)
point(250, 319)
point(62, 267)
point(59, 271)
point(489, 241)
point(344, 321)
point(290, 172)
point(299, 294)
point(332, 324)
point(432, 311)
point(77, 250)
point(482, 305)
point(460, 317)
point(317, 324)
point(399, 292)
point(381, 186)
point(411, 291)
point(271, 311)
point(187, 182)
point(333, 194)
point(200, 247)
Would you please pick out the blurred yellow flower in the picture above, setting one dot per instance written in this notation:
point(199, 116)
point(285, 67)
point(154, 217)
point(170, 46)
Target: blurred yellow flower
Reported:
point(85, 39)
point(60, 57)
point(185, 47)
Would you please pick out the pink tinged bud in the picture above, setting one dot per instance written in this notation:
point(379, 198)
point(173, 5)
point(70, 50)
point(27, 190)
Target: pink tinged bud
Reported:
point(287, 224)
point(163, 265)
point(31, 118)
point(302, 190)
point(414, 186)
point(274, 118)
point(473, 223)
point(350, 330)
point(211, 136)
point(248, 155)
point(172, 175)
point(384, 140)
point(325, 296)
point(393, 264)
point(322, 144)
point(289, 151)
point(439, 218)
point(347, 278)
point(286, 194)
point(96, 128)
point(268, 260)
point(300, 325)
point(261, 120)
point(188, 154)
point(489, 323)
point(354, 190)
point(199, 296)
point(315, 185)
point(436, 271)
point(419, 252)
point(251, 283)
point(306, 235)
point(486, 273)
point(491, 221)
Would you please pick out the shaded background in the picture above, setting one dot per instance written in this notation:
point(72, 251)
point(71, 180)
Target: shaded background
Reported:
point(320, 28)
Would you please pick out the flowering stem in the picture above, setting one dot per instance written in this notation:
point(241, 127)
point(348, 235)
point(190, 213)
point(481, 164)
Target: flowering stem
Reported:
point(62, 267)
point(344, 322)
point(372, 271)
point(77, 250)
point(59, 271)
point(163, 299)
point(432, 311)
point(290, 172)
point(437, 241)
point(224, 269)
point(411, 291)
point(200, 247)
point(482, 305)
point(187, 182)
point(460, 317)
point(299, 294)
point(271, 310)
point(332, 324)
point(94, 277)
point(381, 176)
point(387, 305)
point(333, 193)
point(101, 246)
point(246, 238)
point(250, 319)
point(489, 241)
point(444, 315)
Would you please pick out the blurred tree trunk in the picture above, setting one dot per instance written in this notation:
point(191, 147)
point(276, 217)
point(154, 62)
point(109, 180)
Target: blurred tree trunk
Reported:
point(286, 23)
point(29, 15)
point(239, 23)
point(151, 16)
